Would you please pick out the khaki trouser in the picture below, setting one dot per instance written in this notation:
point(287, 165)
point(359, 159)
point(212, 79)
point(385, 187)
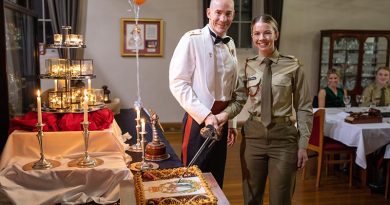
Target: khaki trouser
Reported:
point(269, 152)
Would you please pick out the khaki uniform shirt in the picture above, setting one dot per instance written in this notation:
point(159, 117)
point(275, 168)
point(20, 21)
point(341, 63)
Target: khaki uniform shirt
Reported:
point(289, 88)
point(372, 93)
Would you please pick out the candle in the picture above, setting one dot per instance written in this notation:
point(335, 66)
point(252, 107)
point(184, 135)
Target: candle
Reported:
point(89, 84)
point(55, 84)
point(85, 106)
point(142, 125)
point(138, 113)
point(39, 109)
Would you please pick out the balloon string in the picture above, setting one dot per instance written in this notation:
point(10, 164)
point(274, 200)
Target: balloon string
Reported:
point(136, 10)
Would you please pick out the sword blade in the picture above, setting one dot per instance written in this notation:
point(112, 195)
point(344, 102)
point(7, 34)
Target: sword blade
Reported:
point(200, 151)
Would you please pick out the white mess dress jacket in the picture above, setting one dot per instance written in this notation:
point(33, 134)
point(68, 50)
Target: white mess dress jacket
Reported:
point(192, 72)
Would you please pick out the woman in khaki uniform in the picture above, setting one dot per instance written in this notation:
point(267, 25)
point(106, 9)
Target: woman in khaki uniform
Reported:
point(378, 93)
point(272, 146)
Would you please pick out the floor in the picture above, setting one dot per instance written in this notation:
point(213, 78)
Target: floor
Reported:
point(333, 191)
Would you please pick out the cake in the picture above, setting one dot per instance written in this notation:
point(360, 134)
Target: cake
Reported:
point(162, 187)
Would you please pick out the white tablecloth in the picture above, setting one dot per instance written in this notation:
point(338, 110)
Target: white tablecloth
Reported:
point(365, 137)
point(63, 184)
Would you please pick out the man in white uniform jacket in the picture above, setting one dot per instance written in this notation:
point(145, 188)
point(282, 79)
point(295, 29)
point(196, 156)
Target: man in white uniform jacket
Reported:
point(202, 76)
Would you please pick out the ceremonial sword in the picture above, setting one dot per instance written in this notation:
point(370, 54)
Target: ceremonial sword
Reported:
point(210, 134)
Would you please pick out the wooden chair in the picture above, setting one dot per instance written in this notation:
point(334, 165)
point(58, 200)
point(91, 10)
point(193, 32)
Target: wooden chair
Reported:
point(326, 147)
point(387, 180)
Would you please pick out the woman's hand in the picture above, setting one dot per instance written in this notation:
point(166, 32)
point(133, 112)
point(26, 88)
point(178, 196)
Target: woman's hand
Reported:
point(232, 135)
point(302, 158)
point(222, 118)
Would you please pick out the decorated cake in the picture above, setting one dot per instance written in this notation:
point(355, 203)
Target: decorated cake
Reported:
point(162, 187)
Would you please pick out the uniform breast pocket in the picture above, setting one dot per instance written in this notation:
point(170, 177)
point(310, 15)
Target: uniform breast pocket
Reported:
point(280, 80)
point(253, 83)
point(281, 89)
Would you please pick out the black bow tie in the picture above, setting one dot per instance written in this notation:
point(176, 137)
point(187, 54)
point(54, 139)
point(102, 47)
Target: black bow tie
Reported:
point(219, 39)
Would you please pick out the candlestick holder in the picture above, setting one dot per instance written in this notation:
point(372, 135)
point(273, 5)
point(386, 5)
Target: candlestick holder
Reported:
point(137, 146)
point(86, 161)
point(42, 163)
point(142, 165)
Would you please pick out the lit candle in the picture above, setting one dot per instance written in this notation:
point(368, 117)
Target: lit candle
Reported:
point(85, 106)
point(55, 84)
point(138, 113)
point(89, 84)
point(142, 125)
point(39, 109)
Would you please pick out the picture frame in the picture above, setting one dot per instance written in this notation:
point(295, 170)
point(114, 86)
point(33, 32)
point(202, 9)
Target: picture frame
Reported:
point(150, 32)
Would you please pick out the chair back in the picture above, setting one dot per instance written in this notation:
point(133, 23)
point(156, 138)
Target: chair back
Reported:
point(317, 134)
point(315, 102)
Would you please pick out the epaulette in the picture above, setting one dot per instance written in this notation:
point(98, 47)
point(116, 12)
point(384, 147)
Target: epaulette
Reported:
point(292, 58)
point(289, 56)
point(195, 32)
point(252, 58)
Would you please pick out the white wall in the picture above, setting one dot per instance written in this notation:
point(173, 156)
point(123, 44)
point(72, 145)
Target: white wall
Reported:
point(302, 22)
point(119, 73)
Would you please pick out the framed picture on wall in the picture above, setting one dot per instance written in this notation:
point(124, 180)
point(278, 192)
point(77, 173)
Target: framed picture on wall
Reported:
point(146, 35)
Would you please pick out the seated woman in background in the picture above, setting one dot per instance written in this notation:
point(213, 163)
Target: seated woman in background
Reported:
point(378, 93)
point(332, 95)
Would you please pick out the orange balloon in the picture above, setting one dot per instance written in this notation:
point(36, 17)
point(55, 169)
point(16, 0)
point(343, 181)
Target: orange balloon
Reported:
point(139, 2)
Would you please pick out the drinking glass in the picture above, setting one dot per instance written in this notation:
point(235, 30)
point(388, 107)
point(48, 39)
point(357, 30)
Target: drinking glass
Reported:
point(359, 100)
point(347, 102)
point(374, 102)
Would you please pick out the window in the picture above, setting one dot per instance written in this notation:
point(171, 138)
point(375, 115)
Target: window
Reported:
point(240, 28)
point(45, 32)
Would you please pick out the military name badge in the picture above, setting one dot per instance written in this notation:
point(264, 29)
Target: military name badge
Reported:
point(251, 78)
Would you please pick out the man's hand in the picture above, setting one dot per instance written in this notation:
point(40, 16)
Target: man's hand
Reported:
point(231, 138)
point(212, 120)
point(302, 158)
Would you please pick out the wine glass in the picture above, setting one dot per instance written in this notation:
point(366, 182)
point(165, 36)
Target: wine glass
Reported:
point(347, 102)
point(359, 99)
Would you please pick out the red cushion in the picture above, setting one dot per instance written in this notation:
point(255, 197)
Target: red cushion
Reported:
point(331, 144)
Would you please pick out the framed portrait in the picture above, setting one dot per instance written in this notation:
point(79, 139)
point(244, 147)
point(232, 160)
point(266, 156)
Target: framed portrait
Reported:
point(146, 36)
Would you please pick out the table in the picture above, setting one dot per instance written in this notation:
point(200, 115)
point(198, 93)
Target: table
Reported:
point(365, 137)
point(64, 184)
